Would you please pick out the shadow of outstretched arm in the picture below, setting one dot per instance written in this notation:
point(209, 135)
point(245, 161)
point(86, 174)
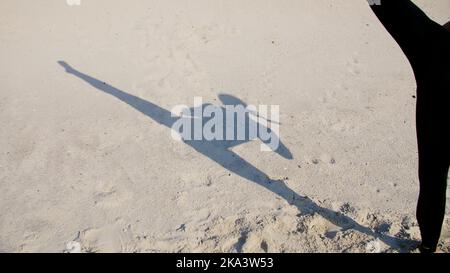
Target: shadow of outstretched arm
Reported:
point(159, 114)
point(282, 150)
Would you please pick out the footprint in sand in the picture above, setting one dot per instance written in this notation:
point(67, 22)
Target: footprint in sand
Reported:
point(255, 243)
point(112, 238)
point(353, 66)
point(320, 225)
point(342, 120)
point(108, 195)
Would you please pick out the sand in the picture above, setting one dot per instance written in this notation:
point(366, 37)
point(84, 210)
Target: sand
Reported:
point(83, 171)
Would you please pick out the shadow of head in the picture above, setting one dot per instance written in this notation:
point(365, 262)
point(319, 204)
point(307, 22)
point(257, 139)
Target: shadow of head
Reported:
point(227, 99)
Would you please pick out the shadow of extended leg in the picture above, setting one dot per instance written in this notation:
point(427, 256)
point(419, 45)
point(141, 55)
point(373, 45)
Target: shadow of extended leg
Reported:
point(306, 206)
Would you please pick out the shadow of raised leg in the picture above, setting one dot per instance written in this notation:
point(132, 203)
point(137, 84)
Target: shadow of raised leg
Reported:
point(234, 163)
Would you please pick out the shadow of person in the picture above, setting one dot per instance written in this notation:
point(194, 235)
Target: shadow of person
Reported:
point(220, 152)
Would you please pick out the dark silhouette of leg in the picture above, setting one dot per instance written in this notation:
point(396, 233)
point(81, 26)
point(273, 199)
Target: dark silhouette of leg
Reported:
point(426, 44)
point(433, 169)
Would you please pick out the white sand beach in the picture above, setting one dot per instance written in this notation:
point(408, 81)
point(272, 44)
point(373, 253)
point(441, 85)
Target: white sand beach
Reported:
point(83, 169)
